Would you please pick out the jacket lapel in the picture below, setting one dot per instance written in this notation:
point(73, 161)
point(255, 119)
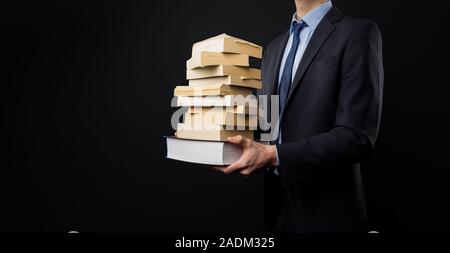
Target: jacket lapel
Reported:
point(278, 54)
point(321, 34)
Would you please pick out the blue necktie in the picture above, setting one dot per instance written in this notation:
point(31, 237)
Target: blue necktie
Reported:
point(286, 77)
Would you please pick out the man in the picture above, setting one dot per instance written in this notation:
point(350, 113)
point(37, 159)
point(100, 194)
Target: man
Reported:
point(327, 71)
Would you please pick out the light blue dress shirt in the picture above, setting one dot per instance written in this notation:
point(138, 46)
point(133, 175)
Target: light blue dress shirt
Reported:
point(312, 20)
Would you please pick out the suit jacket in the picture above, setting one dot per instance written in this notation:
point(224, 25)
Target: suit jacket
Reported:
point(329, 125)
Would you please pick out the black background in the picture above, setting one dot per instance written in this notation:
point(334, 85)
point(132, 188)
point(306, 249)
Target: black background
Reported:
point(86, 97)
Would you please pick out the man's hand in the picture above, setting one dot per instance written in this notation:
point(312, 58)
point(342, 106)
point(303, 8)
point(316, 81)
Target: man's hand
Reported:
point(255, 156)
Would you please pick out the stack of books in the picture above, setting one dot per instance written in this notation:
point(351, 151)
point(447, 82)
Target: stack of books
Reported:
point(219, 100)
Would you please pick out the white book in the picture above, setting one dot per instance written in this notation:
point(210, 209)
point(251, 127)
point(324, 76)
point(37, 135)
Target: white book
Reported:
point(203, 152)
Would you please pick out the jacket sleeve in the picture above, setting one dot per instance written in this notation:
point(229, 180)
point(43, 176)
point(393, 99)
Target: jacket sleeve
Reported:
point(263, 92)
point(358, 115)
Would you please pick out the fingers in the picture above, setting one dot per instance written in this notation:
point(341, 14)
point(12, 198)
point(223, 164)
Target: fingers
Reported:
point(228, 169)
point(246, 172)
point(219, 168)
point(237, 140)
point(238, 165)
point(232, 168)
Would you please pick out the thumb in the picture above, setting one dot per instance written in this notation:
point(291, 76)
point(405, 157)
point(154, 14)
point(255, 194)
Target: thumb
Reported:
point(237, 140)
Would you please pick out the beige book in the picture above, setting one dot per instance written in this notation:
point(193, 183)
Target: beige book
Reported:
point(219, 116)
point(223, 70)
point(245, 110)
point(212, 90)
point(250, 109)
point(228, 100)
point(205, 59)
point(229, 80)
point(186, 132)
point(227, 44)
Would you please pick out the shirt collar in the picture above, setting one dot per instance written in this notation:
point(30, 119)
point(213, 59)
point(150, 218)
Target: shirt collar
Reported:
point(313, 18)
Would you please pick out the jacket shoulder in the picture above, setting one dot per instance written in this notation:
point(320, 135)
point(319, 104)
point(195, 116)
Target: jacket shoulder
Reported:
point(276, 41)
point(358, 24)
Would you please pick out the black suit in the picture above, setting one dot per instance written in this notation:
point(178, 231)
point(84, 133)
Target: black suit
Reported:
point(330, 123)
